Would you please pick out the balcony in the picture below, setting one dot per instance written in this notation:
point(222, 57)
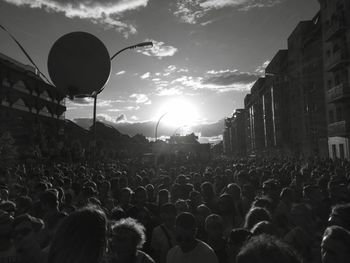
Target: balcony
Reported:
point(339, 60)
point(338, 93)
point(336, 29)
point(340, 128)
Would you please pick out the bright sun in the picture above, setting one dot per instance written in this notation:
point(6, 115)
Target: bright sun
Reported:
point(177, 113)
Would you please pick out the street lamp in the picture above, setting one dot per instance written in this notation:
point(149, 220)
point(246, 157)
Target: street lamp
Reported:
point(156, 131)
point(94, 94)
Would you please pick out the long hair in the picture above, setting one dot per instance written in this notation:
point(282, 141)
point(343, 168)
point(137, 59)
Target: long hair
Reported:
point(81, 238)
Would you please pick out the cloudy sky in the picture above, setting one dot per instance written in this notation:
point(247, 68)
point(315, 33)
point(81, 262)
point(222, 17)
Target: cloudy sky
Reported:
point(206, 53)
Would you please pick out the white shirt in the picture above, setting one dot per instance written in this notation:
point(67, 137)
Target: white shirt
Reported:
point(202, 253)
point(160, 243)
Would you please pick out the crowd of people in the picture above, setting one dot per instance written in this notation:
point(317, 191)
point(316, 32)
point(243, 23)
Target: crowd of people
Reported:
point(224, 211)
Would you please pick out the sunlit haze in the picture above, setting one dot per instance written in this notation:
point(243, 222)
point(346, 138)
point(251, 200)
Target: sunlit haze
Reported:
point(178, 113)
point(206, 55)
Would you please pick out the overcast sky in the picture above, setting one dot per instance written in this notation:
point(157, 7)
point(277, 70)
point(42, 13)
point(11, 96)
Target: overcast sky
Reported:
point(206, 53)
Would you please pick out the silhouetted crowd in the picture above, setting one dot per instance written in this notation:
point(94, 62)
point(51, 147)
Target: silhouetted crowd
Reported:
point(244, 211)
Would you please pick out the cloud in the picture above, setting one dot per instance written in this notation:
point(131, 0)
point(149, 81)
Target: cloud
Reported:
point(261, 69)
point(140, 98)
point(145, 76)
point(169, 92)
point(229, 77)
point(170, 68)
point(106, 12)
point(130, 108)
point(114, 110)
point(89, 102)
point(105, 117)
point(134, 118)
point(219, 81)
point(158, 50)
point(121, 118)
point(126, 108)
point(193, 11)
point(120, 72)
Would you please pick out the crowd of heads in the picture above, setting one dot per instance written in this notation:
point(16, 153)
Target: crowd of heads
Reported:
point(246, 210)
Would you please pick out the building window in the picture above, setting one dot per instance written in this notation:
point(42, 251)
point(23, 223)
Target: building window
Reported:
point(339, 113)
point(329, 84)
point(341, 151)
point(334, 151)
point(331, 116)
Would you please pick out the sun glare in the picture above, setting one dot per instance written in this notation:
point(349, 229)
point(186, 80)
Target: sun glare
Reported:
point(177, 113)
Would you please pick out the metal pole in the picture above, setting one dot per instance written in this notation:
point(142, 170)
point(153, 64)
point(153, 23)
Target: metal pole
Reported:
point(94, 131)
point(156, 132)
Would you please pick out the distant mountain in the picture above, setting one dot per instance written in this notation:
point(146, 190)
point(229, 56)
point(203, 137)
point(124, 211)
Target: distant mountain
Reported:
point(148, 128)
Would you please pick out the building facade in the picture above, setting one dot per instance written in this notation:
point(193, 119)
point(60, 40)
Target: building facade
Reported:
point(31, 110)
point(305, 89)
point(234, 136)
point(336, 66)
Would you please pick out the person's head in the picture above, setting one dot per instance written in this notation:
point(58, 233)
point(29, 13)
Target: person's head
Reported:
point(49, 200)
point(105, 187)
point(163, 197)
point(207, 191)
point(248, 191)
point(195, 198)
point(127, 236)
point(9, 207)
point(287, 194)
point(313, 193)
point(256, 215)
point(263, 227)
point(185, 231)
point(234, 190)
point(4, 194)
point(271, 188)
point(140, 196)
point(181, 206)
point(301, 215)
point(117, 213)
point(53, 223)
point(340, 216)
point(335, 245)
point(6, 221)
point(237, 238)
point(168, 214)
point(150, 192)
point(80, 238)
point(337, 191)
point(263, 202)
point(202, 212)
point(267, 249)
point(226, 205)
point(214, 226)
point(26, 236)
point(125, 196)
point(181, 180)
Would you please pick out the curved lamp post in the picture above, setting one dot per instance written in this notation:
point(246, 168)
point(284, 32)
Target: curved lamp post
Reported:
point(156, 131)
point(94, 95)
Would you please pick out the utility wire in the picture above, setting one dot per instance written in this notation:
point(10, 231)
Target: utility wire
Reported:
point(26, 54)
